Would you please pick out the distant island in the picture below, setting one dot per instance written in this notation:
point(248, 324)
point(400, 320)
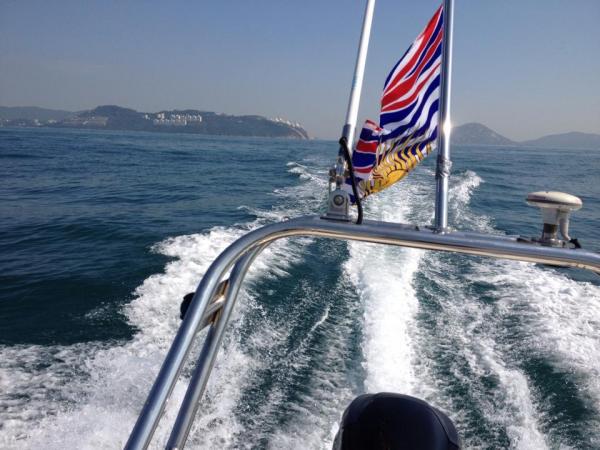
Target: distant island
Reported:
point(112, 117)
point(478, 134)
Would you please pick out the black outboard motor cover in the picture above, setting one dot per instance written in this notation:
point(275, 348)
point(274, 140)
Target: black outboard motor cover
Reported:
point(394, 421)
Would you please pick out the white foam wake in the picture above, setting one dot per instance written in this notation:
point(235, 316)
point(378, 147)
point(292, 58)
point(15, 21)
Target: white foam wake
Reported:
point(396, 345)
point(558, 316)
point(561, 321)
point(382, 277)
point(88, 396)
point(466, 337)
point(472, 326)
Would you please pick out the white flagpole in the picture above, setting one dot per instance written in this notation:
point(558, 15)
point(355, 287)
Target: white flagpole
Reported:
point(338, 199)
point(359, 71)
point(443, 161)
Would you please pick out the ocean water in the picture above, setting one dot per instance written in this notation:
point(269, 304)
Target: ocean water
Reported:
point(102, 233)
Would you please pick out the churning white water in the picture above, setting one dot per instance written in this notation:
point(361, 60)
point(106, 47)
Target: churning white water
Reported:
point(431, 325)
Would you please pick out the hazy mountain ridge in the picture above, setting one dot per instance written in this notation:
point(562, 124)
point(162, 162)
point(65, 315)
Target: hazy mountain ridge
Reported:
point(112, 117)
point(33, 113)
point(566, 140)
point(206, 122)
point(478, 134)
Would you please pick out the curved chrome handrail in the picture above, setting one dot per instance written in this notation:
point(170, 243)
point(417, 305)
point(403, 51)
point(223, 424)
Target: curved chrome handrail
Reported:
point(248, 246)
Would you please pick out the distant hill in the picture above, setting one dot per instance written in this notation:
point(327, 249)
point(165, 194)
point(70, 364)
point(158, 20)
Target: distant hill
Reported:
point(112, 117)
point(567, 140)
point(478, 134)
point(32, 113)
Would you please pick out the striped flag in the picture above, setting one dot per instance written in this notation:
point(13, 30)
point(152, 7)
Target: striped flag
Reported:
point(408, 122)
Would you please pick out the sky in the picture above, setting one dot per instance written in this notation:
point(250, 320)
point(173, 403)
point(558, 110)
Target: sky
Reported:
point(525, 68)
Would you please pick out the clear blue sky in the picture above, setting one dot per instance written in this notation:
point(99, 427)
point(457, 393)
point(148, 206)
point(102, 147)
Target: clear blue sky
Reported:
point(525, 68)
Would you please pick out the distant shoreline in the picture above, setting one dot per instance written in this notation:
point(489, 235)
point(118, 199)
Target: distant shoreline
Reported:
point(111, 117)
point(207, 123)
point(333, 141)
point(158, 132)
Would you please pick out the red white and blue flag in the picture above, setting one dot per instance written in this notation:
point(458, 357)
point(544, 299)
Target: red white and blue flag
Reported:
point(408, 122)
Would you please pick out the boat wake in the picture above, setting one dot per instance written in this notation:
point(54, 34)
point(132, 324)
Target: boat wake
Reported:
point(89, 395)
point(504, 348)
point(480, 338)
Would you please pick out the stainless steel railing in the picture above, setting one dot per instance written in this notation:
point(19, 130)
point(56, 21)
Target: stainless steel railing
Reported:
point(239, 255)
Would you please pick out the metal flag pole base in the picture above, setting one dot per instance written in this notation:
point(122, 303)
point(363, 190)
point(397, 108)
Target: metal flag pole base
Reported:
point(442, 176)
point(341, 199)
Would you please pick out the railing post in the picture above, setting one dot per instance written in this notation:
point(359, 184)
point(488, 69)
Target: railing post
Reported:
point(206, 360)
point(154, 406)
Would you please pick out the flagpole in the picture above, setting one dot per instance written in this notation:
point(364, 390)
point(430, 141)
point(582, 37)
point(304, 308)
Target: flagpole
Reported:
point(339, 199)
point(443, 161)
point(359, 71)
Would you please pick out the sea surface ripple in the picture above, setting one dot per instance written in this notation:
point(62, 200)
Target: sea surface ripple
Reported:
point(102, 233)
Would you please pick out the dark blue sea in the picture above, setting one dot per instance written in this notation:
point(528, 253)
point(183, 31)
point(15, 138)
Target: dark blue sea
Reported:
point(102, 233)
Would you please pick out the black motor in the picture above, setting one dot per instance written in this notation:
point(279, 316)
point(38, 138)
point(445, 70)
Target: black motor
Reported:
point(394, 421)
